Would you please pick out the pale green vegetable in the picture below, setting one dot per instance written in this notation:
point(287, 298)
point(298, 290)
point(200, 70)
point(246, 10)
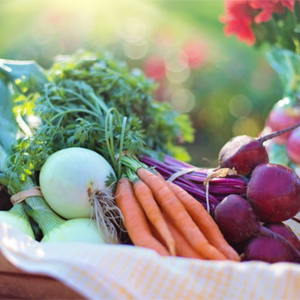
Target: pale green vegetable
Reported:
point(56, 229)
point(17, 219)
point(79, 230)
point(73, 182)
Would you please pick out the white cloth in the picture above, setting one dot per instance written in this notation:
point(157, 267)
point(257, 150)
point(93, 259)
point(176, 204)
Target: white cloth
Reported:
point(127, 272)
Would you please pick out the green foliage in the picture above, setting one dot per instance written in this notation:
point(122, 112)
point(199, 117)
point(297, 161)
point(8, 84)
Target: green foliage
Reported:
point(29, 76)
point(277, 154)
point(287, 64)
point(74, 107)
point(9, 126)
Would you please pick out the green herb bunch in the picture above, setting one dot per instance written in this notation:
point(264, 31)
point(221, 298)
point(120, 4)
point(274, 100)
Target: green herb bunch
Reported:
point(91, 100)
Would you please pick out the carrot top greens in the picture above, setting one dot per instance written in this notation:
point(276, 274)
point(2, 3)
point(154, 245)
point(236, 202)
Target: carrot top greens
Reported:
point(72, 100)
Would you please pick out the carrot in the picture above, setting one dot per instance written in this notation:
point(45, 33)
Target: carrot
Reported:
point(179, 216)
point(153, 212)
point(182, 246)
point(135, 219)
point(205, 222)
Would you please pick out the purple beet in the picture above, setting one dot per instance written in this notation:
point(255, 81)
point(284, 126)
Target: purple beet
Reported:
point(274, 192)
point(238, 223)
point(244, 153)
point(269, 250)
point(285, 231)
point(236, 219)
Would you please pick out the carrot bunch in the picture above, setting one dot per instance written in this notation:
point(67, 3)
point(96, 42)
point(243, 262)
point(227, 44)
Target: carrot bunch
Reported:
point(162, 216)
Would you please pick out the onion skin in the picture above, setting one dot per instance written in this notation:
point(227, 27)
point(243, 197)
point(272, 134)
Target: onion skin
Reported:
point(76, 230)
point(17, 222)
point(274, 192)
point(69, 178)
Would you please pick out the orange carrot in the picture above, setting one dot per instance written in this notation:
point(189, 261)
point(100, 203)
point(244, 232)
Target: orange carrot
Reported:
point(182, 246)
point(153, 212)
point(135, 220)
point(179, 216)
point(205, 222)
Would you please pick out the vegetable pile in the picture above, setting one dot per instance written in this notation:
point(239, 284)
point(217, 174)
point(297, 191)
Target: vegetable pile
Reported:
point(88, 155)
point(272, 197)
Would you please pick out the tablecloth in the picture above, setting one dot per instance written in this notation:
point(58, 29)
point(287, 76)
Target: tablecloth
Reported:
point(128, 272)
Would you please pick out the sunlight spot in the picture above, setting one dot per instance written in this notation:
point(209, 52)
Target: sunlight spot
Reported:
point(135, 51)
point(183, 100)
point(133, 30)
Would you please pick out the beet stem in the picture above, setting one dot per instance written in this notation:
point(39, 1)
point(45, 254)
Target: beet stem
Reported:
point(277, 133)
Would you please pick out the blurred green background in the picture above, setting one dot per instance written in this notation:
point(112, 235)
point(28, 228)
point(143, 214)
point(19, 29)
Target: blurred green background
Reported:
point(225, 86)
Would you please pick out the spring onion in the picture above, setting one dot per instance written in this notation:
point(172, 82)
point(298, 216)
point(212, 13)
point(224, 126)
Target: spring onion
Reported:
point(17, 219)
point(74, 182)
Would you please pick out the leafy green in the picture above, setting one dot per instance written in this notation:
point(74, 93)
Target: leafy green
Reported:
point(278, 154)
point(8, 122)
point(76, 105)
point(287, 64)
point(29, 76)
point(130, 92)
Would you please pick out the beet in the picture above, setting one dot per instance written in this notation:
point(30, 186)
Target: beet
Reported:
point(269, 250)
point(236, 219)
point(293, 146)
point(274, 192)
point(238, 223)
point(285, 231)
point(283, 115)
point(244, 153)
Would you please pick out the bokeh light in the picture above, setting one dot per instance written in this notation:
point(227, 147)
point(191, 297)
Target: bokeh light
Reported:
point(226, 87)
point(135, 50)
point(240, 106)
point(183, 100)
point(133, 30)
point(246, 126)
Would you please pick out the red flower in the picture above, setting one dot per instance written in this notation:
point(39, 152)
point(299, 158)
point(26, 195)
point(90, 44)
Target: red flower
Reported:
point(238, 19)
point(268, 7)
point(155, 68)
point(241, 14)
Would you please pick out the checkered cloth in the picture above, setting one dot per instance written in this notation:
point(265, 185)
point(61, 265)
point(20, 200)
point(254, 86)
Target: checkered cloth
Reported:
point(127, 272)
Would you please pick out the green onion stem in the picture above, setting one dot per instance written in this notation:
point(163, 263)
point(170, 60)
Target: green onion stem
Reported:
point(39, 210)
point(18, 210)
point(121, 146)
point(46, 219)
point(109, 133)
point(107, 140)
point(4, 179)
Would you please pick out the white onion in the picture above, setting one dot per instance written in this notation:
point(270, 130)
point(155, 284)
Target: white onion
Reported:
point(73, 183)
point(77, 230)
point(18, 221)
